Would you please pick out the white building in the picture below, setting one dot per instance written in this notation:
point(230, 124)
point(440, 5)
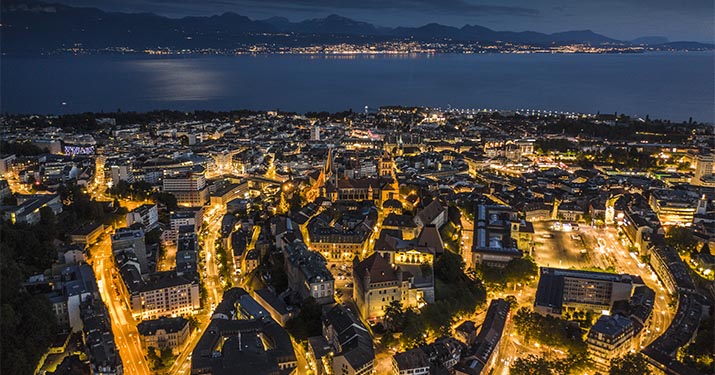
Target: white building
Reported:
point(146, 215)
point(315, 133)
point(189, 188)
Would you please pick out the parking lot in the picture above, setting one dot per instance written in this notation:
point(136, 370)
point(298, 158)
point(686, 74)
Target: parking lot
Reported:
point(558, 247)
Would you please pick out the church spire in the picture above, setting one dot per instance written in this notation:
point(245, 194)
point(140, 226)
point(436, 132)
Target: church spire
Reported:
point(328, 168)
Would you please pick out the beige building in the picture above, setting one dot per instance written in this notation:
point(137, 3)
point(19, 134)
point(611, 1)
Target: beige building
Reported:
point(339, 247)
point(161, 294)
point(704, 170)
point(377, 284)
point(164, 333)
point(189, 188)
point(522, 232)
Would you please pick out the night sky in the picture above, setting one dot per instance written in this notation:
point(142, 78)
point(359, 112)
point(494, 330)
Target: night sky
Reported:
point(691, 20)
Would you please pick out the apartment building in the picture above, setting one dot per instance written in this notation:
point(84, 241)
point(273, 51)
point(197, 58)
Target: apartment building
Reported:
point(610, 337)
point(164, 333)
point(159, 294)
point(189, 188)
point(146, 215)
point(125, 239)
point(581, 290)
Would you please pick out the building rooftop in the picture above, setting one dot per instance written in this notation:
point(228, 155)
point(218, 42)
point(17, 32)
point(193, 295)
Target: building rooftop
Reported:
point(610, 325)
point(376, 267)
point(355, 342)
point(236, 346)
point(86, 229)
point(490, 334)
point(411, 359)
point(273, 300)
point(170, 325)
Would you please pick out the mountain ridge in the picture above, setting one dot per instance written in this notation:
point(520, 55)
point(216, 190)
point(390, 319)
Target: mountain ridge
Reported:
point(37, 26)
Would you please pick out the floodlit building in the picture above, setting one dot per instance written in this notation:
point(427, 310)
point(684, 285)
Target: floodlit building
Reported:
point(189, 188)
point(610, 337)
point(582, 290)
point(673, 207)
point(163, 333)
point(704, 170)
point(159, 294)
point(377, 284)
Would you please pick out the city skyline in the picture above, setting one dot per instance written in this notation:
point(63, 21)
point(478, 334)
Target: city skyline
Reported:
point(565, 232)
point(397, 187)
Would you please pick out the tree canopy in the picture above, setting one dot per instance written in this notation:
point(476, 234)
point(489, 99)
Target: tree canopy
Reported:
point(308, 321)
point(553, 332)
point(629, 364)
point(681, 239)
point(28, 323)
point(537, 365)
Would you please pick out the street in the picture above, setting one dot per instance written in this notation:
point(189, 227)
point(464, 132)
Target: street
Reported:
point(211, 280)
point(587, 247)
point(124, 327)
point(584, 248)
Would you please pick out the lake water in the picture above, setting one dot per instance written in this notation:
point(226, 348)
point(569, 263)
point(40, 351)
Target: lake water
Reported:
point(675, 86)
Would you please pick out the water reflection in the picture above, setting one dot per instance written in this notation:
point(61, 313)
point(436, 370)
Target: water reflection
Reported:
point(180, 79)
point(664, 85)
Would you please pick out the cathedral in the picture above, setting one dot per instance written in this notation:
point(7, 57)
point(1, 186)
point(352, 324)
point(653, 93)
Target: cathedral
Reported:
point(378, 189)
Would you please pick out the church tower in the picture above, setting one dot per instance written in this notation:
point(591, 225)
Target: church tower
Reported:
point(386, 166)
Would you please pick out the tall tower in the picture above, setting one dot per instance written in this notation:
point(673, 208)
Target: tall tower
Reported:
point(386, 166)
point(704, 166)
point(315, 133)
point(702, 206)
point(328, 167)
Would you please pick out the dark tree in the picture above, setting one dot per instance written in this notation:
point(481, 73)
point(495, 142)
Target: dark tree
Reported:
point(307, 323)
point(394, 317)
point(10, 200)
point(520, 270)
point(629, 364)
point(533, 365)
point(513, 303)
point(449, 267)
point(167, 199)
point(28, 322)
point(681, 239)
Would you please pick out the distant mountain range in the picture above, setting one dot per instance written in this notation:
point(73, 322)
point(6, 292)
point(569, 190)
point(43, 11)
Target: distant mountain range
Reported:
point(41, 27)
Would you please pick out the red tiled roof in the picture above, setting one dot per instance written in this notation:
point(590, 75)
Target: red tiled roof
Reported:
point(377, 267)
